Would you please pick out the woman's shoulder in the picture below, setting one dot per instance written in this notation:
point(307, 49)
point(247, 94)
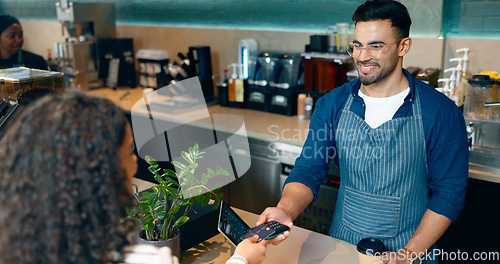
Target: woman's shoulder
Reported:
point(28, 54)
point(148, 254)
point(32, 60)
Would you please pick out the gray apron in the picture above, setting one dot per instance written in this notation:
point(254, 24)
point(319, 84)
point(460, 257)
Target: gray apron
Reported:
point(384, 178)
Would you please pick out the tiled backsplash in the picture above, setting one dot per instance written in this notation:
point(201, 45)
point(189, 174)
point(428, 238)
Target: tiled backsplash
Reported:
point(270, 15)
point(472, 18)
point(40, 36)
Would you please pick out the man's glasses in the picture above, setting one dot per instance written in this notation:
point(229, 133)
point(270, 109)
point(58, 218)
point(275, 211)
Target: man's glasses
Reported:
point(373, 50)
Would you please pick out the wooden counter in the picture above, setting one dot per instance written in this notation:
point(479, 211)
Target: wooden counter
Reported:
point(302, 246)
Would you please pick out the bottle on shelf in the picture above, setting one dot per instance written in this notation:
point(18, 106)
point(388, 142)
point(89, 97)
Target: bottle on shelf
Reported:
point(308, 107)
point(301, 112)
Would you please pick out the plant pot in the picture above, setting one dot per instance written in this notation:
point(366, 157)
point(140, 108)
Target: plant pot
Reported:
point(173, 243)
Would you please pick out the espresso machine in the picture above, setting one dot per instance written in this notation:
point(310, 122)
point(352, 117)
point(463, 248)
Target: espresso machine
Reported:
point(83, 24)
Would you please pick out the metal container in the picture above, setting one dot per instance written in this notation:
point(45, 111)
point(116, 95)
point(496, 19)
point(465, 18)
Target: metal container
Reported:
point(16, 81)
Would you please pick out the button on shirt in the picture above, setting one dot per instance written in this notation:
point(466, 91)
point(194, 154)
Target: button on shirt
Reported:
point(445, 141)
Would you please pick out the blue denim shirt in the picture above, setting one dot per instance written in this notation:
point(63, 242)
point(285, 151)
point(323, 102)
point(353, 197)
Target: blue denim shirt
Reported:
point(445, 138)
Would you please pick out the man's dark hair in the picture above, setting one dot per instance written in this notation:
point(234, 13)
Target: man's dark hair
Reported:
point(385, 9)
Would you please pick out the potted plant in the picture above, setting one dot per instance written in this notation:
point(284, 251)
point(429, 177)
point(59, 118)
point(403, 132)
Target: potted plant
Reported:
point(164, 210)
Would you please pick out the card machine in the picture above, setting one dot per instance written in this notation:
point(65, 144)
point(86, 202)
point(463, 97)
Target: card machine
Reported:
point(236, 230)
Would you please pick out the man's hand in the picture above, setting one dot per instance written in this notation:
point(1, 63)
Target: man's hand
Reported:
point(279, 215)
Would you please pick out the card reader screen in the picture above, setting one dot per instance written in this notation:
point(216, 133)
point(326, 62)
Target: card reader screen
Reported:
point(231, 225)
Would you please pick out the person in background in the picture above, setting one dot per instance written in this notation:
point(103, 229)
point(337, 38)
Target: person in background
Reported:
point(400, 145)
point(11, 42)
point(65, 179)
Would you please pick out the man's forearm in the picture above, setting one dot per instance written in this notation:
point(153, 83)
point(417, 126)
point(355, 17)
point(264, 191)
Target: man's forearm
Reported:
point(431, 228)
point(295, 198)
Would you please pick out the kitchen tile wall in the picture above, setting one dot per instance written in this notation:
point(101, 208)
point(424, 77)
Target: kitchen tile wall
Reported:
point(472, 18)
point(275, 15)
point(40, 36)
point(42, 30)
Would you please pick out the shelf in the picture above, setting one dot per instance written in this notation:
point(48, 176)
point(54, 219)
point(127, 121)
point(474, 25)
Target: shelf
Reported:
point(336, 57)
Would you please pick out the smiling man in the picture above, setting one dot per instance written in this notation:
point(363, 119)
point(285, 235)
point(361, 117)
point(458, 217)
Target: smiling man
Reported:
point(400, 145)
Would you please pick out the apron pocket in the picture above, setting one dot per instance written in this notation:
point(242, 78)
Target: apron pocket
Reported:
point(371, 215)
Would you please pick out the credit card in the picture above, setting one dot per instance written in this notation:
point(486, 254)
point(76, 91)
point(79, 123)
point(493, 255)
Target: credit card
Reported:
point(263, 231)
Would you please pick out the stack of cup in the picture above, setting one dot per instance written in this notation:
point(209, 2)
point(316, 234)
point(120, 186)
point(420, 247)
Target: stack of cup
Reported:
point(370, 250)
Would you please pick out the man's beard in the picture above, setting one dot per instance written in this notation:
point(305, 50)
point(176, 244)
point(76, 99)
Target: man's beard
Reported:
point(371, 79)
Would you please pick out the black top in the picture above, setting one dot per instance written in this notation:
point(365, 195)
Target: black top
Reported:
point(24, 59)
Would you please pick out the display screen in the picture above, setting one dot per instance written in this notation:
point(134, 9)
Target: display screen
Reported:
point(231, 225)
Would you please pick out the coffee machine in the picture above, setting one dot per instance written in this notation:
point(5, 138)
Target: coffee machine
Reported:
point(83, 24)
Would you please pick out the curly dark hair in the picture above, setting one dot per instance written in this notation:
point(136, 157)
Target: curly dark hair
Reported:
point(61, 183)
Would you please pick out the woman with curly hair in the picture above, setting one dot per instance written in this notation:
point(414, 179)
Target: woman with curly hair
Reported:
point(66, 167)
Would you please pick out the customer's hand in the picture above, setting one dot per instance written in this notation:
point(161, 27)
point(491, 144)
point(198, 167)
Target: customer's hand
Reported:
point(252, 251)
point(279, 215)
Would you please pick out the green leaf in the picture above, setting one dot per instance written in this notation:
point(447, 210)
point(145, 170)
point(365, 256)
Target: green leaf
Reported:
point(196, 149)
point(158, 178)
point(153, 199)
point(218, 198)
point(149, 227)
point(191, 151)
point(159, 206)
point(132, 212)
point(206, 199)
point(178, 164)
point(171, 181)
point(190, 178)
point(186, 156)
point(210, 172)
point(175, 209)
point(146, 194)
point(171, 190)
point(194, 165)
point(184, 202)
point(171, 173)
point(204, 178)
point(183, 172)
point(146, 219)
point(161, 215)
point(182, 220)
point(187, 193)
point(154, 169)
point(221, 171)
point(143, 205)
point(150, 160)
point(199, 199)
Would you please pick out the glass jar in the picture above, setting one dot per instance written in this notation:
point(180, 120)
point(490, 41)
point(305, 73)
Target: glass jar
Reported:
point(480, 91)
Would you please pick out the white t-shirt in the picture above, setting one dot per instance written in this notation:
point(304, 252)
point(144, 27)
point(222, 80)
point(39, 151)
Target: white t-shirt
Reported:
point(381, 110)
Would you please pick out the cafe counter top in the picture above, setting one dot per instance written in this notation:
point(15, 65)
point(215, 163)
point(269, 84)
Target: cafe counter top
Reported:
point(302, 246)
point(260, 125)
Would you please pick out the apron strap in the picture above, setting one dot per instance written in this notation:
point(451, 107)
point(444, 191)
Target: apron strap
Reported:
point(417, 111)
point(348, 103)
